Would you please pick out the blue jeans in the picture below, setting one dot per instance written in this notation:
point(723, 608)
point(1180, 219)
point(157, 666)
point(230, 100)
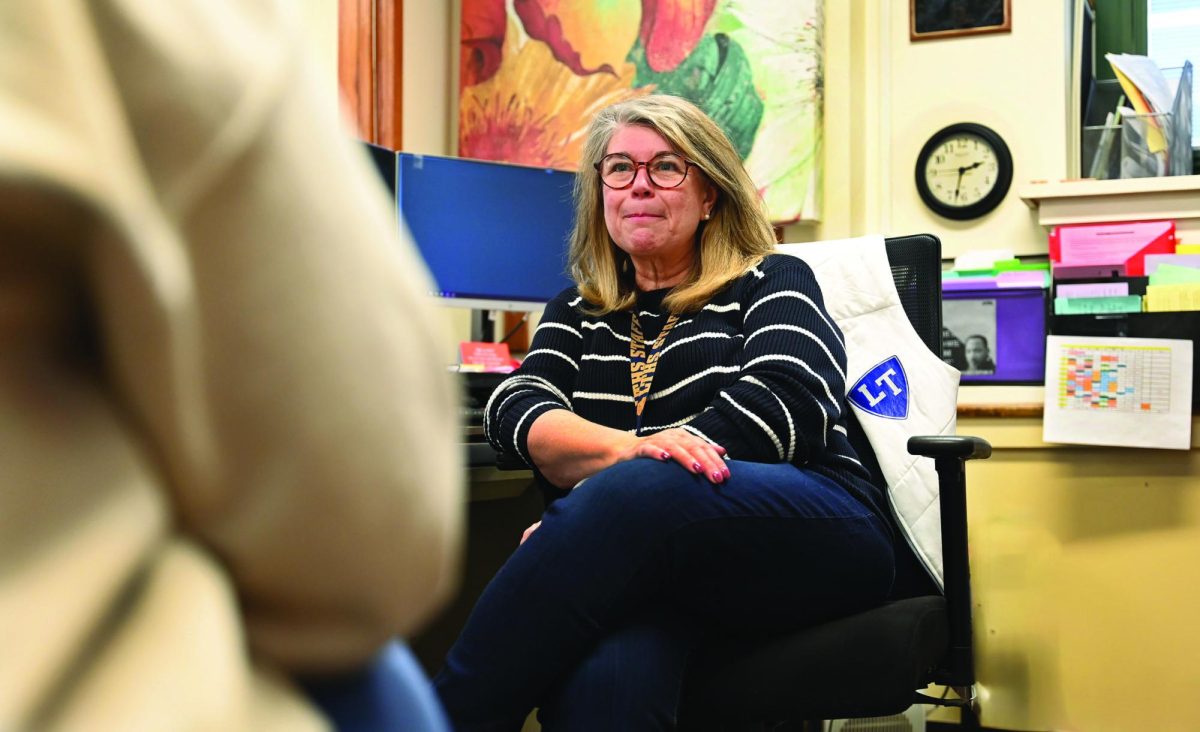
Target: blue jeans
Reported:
point(595, 613)
point(389, 693)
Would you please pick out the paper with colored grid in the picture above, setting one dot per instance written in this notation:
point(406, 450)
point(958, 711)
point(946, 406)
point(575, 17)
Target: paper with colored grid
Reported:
point(1128, 392)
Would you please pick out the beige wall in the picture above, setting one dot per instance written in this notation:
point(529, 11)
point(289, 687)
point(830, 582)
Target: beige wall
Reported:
point(1014, 83)
point(318, 23)
point(430, 75)
point(885, 96)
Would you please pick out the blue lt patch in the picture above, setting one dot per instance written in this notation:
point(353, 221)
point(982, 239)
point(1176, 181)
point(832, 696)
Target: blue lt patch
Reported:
point(883, 390)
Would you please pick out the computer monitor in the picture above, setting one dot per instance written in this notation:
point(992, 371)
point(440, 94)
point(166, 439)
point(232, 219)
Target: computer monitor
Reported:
point(493, 235)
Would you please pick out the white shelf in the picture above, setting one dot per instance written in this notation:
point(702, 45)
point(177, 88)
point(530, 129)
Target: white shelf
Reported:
point(1089, 201)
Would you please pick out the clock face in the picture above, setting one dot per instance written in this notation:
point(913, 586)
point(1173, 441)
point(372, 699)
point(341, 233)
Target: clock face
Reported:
point(964, 171)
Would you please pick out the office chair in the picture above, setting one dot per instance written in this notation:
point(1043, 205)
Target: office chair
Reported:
point(871, 664)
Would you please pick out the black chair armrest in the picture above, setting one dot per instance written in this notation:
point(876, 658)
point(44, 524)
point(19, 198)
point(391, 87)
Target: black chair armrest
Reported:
point(950, 454)
point(950, 446)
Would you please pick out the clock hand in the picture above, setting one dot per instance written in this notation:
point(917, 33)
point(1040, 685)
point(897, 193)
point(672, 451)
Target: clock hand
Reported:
point(959, 183)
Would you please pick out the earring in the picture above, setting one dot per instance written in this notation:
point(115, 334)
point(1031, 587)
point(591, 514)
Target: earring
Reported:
point(707, 216)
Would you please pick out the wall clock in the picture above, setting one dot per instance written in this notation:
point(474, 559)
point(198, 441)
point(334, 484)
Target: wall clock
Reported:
point(964, 171)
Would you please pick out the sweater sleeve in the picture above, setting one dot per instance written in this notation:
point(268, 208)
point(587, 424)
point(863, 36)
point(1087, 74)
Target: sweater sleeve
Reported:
point(790, 387)
point(544, 381)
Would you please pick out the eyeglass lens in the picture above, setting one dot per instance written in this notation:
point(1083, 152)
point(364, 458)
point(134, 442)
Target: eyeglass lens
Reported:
point(667, 170)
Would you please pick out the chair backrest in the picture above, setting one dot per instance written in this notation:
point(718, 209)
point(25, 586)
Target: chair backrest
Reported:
point(916, 263)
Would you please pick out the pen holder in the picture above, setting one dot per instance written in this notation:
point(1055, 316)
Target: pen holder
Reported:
point(1145, 144)
point(1160, 143)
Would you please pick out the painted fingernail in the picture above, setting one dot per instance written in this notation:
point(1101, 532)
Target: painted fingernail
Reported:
point(696, 467)
point(725, 471)
point(665, 455)
point(717, 476)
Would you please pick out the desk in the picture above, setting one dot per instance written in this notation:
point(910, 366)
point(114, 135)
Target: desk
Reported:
point(485, 481)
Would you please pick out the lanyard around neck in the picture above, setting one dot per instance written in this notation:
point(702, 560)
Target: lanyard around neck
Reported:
point(643, 361)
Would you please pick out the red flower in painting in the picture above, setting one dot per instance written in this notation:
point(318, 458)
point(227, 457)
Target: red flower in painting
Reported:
point(671, 29)
point(542, 24)
point(534, 110)
point(482, 39)
point(593, 37)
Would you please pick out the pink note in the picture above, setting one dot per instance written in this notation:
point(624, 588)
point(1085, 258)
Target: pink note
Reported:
point(1124, 243)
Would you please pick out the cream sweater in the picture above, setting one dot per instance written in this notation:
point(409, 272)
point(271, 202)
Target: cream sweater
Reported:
point(228, 450)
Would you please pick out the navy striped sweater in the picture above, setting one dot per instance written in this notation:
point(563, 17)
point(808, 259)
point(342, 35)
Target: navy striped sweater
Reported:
point(760, 370)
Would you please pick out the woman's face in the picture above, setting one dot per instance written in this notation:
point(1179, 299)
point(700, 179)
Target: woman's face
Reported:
point(650, 222)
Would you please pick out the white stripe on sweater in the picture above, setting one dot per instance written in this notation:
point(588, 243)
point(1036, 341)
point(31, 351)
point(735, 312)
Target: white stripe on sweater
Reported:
point(595, 357)
point(575, 302)
point(550, 324)
point(512, 396)
point(524, 380)
point(603, 397)
point(698, 336)
point(723, 308)
point(824, 414)
point(606, 326)
point(804, 298)
point(487, 428)
point(791, 449)
point(517, 429)
point(804, 331)
point(757, 420)
point(847, 457)
point(792, 359)
point(552, 352)
point(680, 384)
point(661, 427)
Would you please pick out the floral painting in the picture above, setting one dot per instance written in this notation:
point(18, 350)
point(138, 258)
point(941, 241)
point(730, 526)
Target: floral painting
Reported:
point(533, 73)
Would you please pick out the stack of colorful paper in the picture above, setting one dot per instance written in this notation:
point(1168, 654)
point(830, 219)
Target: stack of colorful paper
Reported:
point(1174, 287)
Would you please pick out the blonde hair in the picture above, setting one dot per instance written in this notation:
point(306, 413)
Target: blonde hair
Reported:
point(735, 238)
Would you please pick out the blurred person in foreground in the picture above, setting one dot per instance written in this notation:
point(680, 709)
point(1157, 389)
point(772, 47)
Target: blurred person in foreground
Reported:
point(229, 451)
point(687, 396)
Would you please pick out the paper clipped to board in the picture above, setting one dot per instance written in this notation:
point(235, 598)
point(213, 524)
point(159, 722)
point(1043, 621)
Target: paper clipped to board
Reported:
point(1125, 392)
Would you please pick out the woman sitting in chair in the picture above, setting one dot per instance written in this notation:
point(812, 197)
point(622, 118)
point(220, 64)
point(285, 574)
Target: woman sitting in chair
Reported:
point(687, 393)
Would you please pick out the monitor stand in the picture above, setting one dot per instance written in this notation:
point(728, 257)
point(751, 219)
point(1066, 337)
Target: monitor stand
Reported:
point(483, 325)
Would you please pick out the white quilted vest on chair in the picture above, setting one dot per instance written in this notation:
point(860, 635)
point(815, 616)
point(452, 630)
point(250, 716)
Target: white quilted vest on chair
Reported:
point(896, 386)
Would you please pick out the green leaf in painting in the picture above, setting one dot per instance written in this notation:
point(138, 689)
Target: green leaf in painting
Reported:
point(716, 77)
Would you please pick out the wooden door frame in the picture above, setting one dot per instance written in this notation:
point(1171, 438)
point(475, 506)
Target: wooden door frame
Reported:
point(370, 44)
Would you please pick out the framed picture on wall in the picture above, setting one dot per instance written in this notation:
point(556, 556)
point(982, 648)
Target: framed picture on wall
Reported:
point(930, 19)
